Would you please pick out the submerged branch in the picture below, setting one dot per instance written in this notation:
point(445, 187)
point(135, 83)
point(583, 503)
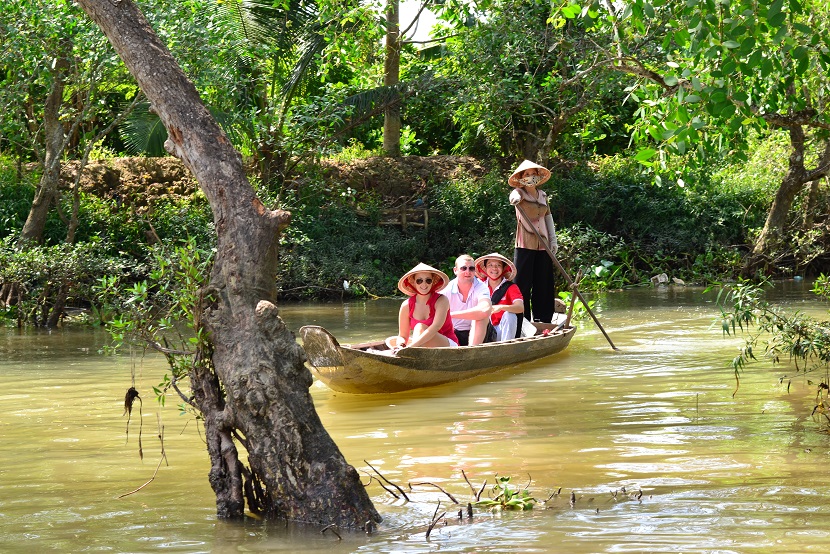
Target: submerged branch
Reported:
point(400, 490)
point(451, 497)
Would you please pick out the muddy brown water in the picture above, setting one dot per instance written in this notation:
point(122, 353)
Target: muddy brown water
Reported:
point(713, 472)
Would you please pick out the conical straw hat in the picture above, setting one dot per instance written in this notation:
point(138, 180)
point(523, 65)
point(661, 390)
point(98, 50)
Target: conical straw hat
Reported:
point(440, 279)
point(509, 267)
point(513, 180)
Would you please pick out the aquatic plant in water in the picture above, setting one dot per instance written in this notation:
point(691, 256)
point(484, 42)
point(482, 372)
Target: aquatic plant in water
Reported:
point(507, 497)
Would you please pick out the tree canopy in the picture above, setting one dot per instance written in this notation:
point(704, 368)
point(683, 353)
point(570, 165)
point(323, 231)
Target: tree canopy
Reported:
point(711, 73)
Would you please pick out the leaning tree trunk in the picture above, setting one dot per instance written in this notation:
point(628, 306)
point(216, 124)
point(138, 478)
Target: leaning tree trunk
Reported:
point(254, 386)
point(391, 77)
point(47, 189)
point(810, 205)
point(796, 178)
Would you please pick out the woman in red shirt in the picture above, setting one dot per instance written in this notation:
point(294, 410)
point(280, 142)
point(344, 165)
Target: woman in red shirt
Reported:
point(425, 315)
point(508, 303)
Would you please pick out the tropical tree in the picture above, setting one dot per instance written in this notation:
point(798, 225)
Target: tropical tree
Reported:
point(62, 88)
point(391, 77)
point(288, 79)
point(248, 379)
point(58, 84)
point(708, 73)
point(523, 79)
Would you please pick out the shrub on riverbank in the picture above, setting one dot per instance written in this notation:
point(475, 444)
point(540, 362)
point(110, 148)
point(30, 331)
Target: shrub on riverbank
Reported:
point(614, 223)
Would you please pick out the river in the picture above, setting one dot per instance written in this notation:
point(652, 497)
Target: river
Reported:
point(649, 441)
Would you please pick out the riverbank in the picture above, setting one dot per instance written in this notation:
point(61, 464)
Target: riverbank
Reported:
point(357, 225)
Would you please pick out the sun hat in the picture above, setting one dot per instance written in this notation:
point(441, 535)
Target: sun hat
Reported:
point(544, 173)
point(439, 281)
point(509, 271)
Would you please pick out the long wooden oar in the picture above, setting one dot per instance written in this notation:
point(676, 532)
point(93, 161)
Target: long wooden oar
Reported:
point(565, 275)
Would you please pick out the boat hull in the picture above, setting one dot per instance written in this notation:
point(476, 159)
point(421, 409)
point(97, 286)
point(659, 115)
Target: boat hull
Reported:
point(353, 369)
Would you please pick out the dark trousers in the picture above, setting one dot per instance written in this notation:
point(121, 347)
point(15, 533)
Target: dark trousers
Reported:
point(464, 336)
point(534, 275)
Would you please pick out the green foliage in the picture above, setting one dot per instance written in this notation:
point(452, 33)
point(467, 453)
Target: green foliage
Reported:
point(34, 37)
point(796, 337)
point(586, 250)
point(335, 236)
point(428, 112)
point(504, 496)
point(620, 227)
point(473, 217)
point(328, 243)
point(762, 173)
point(520, 83)
point(173, 219)
point(620, 200)
point(355, 150)
point(162, 311)
point(16, 198)
point(41, 273)
point(579, 309)
point(821, 286)
point(714, 72)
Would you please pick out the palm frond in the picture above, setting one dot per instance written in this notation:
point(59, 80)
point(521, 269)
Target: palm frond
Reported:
point(311, 47)
point(264, 21)
point(142, 132)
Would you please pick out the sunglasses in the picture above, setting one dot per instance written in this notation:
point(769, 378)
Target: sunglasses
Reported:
point(419, 281)
point(466, 268)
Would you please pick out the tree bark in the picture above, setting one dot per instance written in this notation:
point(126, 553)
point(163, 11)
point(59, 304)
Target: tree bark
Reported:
point(796, 178)
point(391, 77)
point(47, 189)
point(253, 386)
point(810, 205)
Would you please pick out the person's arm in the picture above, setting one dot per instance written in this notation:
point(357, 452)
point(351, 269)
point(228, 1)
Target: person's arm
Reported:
point(516, 306)
point(442, 308)
point(552, 242)
point(403, 325)
point(515, 196)
point(482, 309)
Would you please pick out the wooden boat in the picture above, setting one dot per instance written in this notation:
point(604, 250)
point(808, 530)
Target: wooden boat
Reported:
point(371, 368)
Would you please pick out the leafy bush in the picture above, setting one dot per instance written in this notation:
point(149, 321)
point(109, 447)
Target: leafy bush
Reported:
point(785, 338)
point(16, 198)
point(330, 243)
point(170, 219)
point(44, 274)
point(472, 217)
point(618, 199)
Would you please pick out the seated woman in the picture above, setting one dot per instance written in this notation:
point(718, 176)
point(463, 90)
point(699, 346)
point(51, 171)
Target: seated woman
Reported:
point(508, 303)
point(424, 318)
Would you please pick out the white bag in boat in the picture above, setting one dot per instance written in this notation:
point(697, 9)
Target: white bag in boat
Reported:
point(528, 329)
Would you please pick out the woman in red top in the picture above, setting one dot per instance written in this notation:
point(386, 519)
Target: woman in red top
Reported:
point(425, 315)
point(508, 303)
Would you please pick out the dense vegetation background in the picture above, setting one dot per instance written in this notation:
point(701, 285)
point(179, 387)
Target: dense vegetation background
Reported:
point(669, 154)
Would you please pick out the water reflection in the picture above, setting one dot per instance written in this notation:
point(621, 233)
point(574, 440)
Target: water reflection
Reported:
point(715, 472)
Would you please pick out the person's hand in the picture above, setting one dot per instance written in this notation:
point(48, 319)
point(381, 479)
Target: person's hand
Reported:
point(395, 343)
point(554, 247)
point(515, 197)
